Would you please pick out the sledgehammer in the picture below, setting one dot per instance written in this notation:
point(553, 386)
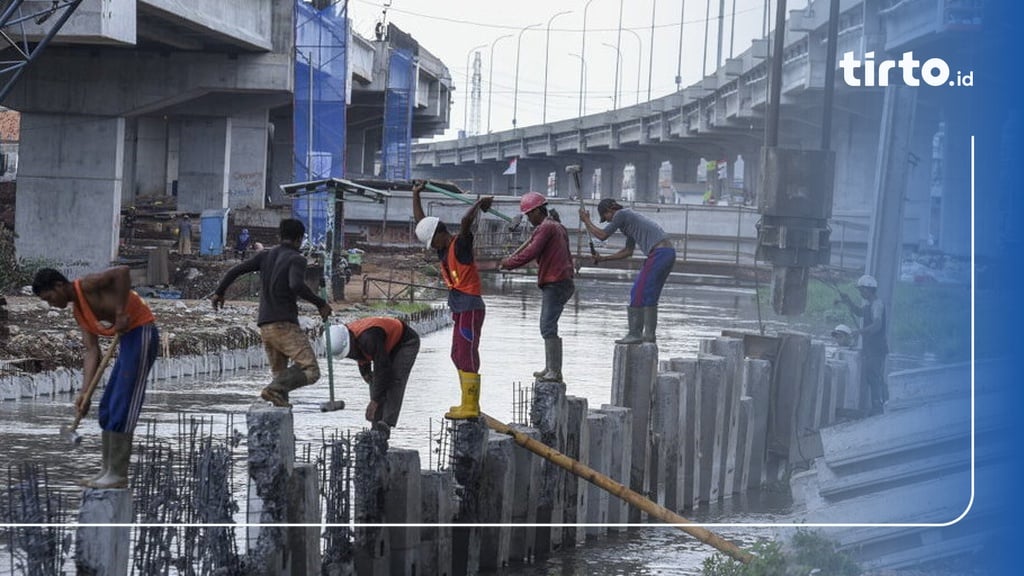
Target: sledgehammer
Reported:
point(69, 431)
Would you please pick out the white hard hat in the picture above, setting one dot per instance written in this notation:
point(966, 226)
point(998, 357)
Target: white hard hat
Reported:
point(867, 281)
point(842, 329)
point(425, 229)
point(339, 340)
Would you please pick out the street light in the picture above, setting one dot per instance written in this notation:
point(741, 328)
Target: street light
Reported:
point(465, 112)
point(583, 72)
point(639, 60)
point(490, 78)
point(547, 45)
point(515, 95)
point(583, 56)
point(618, 61)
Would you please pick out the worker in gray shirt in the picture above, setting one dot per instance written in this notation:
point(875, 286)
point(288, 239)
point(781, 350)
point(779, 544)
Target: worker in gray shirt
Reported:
point(282, 282)
point(640, 231)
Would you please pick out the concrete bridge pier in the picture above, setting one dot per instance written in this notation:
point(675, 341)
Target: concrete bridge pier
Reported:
point(548, 416)
point(71, 176)
point(204, 162)
point(103, 550)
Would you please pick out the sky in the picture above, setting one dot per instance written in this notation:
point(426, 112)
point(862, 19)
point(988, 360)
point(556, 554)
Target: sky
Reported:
point(453, 30)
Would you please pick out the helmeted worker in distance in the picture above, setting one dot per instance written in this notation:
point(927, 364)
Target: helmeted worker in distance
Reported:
point(282, 282)
point(874, 341)
point(549, 246)
point(104, 305)
point(461, 276)
point(639, 230)
point(385, 350)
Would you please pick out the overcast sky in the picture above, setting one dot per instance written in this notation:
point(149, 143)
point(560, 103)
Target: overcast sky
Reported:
point(451, 29)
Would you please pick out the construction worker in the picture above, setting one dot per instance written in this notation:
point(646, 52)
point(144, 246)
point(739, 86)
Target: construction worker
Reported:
point(549, 246)
point(283, 281)
point(104, 305)
point(842, 335)
point(642, 313)
point(185, 235)
point(460, 274)
point(385, 350)
point(874, 344)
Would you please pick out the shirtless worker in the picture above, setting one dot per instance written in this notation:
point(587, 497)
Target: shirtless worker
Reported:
point(104, 305)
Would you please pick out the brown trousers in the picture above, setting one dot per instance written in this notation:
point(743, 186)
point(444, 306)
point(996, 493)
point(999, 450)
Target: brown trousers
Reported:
point(285, 341)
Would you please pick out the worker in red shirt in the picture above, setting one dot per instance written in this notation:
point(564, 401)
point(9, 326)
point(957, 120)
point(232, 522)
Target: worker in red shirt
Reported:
point(549, 246)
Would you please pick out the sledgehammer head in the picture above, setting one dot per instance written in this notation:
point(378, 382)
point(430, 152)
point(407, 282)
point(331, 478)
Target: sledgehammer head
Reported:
point(69, 433)
point(332, 406)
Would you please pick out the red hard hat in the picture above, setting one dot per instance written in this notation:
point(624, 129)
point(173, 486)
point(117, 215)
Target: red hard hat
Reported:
point(531, 200)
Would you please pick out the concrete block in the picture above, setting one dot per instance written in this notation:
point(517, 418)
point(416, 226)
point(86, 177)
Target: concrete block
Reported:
point(786, 386)
point(524, 502)
point(732, 350)
point(757, 377)
point(271, 459)
point(708, 412)
point(620, 422)
point(436, 541)
point(372, 544)
point(103, 551)
point(688, 430)
point(577, 444)
point(304, 508)
point(496, 490)
point(402, 506)
point(548, 415)
point(599, 452)
point(665, 424)
point(634, 369)
point(745, 437)
point(469, 451)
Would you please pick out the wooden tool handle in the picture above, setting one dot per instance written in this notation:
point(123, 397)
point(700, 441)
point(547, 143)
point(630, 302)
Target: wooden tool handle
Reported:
point(91, 388)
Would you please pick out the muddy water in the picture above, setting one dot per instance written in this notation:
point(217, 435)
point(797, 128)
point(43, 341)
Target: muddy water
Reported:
point(511, 349)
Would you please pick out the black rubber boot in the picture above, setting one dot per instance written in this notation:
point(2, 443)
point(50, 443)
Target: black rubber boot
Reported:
point(650, 323)
point(553, 353)
point(635, 317)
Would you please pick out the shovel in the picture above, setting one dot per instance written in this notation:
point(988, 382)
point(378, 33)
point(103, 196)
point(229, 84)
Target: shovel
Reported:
point(69, 431)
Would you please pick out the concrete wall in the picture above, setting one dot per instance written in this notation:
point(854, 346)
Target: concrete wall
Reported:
point(248, 180)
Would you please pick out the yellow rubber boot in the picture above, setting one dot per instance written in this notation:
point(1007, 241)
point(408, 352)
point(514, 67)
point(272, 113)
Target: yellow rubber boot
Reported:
point(470, 407)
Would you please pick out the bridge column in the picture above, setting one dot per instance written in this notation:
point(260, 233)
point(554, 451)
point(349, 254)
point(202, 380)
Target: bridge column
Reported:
point(204, 162)
point(149, 165)
point(70, 181)
point(248, 177)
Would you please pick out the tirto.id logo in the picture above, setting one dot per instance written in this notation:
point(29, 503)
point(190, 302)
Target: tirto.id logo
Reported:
point(933, 71)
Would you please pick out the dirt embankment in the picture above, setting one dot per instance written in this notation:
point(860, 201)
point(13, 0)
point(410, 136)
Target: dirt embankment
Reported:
point(42, 338)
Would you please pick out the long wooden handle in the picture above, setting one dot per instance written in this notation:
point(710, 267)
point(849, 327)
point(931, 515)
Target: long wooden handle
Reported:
point(616, 489)
point(91, 388)
point(466, 199)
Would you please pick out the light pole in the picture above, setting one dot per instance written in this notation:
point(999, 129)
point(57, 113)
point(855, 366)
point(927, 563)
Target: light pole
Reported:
point(679, 61)
point(618, 60)
point(547, 46)
point(515, 94)
point(583, 72)
point(639, 60)
point(583, 56)
point(490, 78)
point(650, 57)
point(618, 46)
point(465, 112)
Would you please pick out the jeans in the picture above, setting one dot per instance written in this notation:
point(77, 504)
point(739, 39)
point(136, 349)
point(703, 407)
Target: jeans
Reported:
point(553, 298)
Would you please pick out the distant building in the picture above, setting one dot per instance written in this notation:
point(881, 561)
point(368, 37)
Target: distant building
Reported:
point(10, 134)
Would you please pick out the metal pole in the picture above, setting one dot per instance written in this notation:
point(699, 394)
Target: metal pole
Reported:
point(775, 76)
point(515, 97)
point(721, 32)
point(547, 47)
point(618, 45)
point(583, 72)
point(830, 75)
point(679, 60)
point(639, 60)
point(650, 56)
point(490, 78)
point(707, 22)
point(583, 56)
point(618, 57)
point(732, 28)
point(465, 112)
